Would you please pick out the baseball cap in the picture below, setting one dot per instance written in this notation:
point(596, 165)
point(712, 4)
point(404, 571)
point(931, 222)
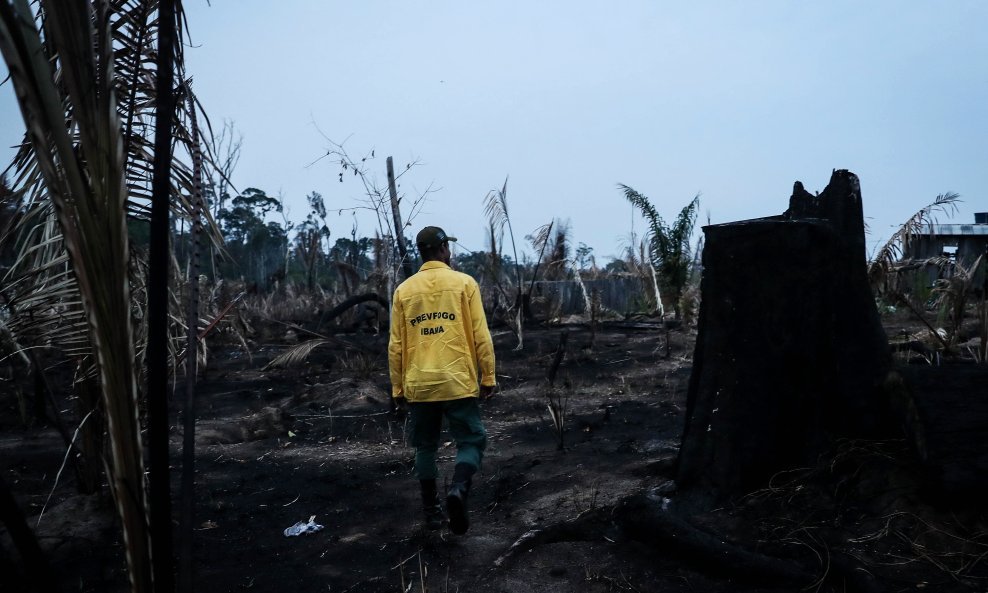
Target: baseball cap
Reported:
point(432, 235)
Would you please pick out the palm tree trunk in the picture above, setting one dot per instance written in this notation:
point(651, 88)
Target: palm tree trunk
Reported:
point(157, 350)
point(187, 510)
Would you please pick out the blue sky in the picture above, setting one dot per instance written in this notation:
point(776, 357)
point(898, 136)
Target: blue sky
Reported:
point(734, 100)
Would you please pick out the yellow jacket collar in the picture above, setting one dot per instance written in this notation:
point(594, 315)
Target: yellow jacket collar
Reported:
point(434, 265)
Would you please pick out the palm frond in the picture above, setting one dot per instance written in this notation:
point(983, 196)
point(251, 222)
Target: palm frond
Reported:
point(682, 228)
point(893, 249)
point(295, 355)
point(656, 226)
point(494, 239)
point(80, 170)
point(496, 209)
point(539, 239)
point(131, 75)
point(540, 236)
point(559, 252)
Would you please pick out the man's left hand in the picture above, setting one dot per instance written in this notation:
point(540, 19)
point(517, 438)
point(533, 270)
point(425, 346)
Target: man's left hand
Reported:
point(486, 392)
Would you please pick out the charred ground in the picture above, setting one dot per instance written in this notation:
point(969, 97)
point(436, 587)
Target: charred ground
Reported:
point(277, 446)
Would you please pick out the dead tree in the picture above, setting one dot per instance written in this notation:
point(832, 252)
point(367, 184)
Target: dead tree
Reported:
point(353, 301)
point(790, 353)
point(790, 350)
point(406, 262)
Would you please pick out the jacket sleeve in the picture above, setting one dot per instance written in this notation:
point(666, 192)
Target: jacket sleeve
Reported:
point(482, 337)
point(396, 347)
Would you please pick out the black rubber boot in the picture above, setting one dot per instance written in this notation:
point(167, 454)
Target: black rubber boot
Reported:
point(431, 508)
point(456, 498)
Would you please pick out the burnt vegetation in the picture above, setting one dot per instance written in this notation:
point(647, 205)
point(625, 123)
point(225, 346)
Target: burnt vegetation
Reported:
point(759, 406)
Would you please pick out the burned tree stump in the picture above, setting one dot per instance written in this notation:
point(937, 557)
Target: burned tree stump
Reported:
point(790, 350)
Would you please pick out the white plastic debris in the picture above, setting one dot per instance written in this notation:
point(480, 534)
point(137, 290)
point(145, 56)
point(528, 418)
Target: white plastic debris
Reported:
point(303, 527)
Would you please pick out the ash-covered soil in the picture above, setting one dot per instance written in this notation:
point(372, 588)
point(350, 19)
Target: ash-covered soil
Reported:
point(281, 445)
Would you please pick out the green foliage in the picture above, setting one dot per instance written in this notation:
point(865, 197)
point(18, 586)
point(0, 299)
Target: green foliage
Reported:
point(243, 223)
point(669, 246)
point(616, 266)
point(139, 231)
point(256, 247)
point(477, 264)
point(352, 252)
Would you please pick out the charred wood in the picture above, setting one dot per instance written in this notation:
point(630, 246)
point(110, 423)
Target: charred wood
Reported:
point(353, 301)
point(790, 349)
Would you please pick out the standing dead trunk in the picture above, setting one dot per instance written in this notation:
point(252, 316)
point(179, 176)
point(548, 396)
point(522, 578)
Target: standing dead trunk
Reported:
point(406, 263)
point(159, 482)
point(187, 509)
point(557, 360)
point(790, 349)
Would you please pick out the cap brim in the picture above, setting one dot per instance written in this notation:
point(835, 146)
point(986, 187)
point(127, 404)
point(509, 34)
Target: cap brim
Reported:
point(453, 239)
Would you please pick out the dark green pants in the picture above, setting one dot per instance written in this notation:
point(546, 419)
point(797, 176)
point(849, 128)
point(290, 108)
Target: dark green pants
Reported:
point(466, 427)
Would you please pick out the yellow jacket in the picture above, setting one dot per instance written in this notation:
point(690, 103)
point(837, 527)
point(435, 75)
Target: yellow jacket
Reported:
point(439, 337)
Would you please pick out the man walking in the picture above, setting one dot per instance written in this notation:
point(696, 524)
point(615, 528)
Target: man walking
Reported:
point(441, 359)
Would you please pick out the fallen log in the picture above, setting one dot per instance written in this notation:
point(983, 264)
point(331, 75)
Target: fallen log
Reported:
point(644, 520)
point(583, 528)
point(353, 301)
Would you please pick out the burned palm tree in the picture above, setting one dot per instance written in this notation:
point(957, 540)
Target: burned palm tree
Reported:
point(492, 267)
point(887, 262)
point(84, 193)
point(81, 71)
point(496, 208)
point(558, 264)
point(887, 271)
point(952, 295)
point(539, 240)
